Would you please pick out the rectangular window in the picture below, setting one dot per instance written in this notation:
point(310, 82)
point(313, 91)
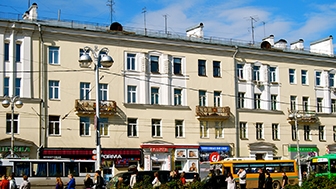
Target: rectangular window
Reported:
point(294, 137)
point(331, 80)
point(6, 53)
point(201, 68)
point(243, 130)
point(154, 64)
point(130, 61)
point(272, 74)
point(204, 129)
point(154, 95)
point(292, 76)
point(217, 98)
point(305, 104)
point(84, 91)
point(306, 132)
point(131, 94)
point(275, 131)
point(318, 78)
point(334, 133)
point(17, 86)
point(179, 128)
point(319, 104)
point(177, 97)
point(202, 97)
point(18, 52)
point(54, 125)
point(240, 71)
point(84, 126)
point(333, 105)
point(274, 103)
point(293, 102)
point(259, 131)
point(9, 122)
point(321, 133)
point(156, 128)
point(304, 77)
point(54, 89)
point(6, 86)
point(216, 69)
point(219, 129)
point(53, 55)
point(257, 101)
point(241, 101)
point(177, 63)
point(132, 128)
point(103, 126)
point(256, 73)
point(103, 92)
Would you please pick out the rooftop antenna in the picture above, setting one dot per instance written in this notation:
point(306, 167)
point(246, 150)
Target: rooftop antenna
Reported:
point(28, 4)
point(110, 4)
point(144, 12)
point(165, 16)
point(253, 19)
point(264, 23)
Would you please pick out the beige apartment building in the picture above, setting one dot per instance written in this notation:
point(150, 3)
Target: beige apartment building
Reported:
point(168, 101)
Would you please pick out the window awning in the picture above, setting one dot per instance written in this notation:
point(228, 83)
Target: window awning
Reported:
point(89, 152)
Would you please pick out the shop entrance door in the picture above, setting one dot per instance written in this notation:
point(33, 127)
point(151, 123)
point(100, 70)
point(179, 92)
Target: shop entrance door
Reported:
point(156, 165)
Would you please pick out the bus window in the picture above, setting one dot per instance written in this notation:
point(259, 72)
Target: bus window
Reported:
point(273, 167)
point(255, 166)
point(287, 167)
point(39, 169)
point(22, 168)
point(56, 169)
point(237, 166)
point(333, 165)
point(87, 167)
point(71, 168)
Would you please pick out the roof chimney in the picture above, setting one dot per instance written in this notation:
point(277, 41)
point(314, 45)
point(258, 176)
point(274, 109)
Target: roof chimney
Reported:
point(297, 45)
point(196, 31)
point(323, 46)
point(270, 39)
point(281, 44)
point(31, 14)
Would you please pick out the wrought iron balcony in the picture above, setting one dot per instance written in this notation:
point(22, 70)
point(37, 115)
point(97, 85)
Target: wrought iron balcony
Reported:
point(212, 113)
point(87, 107)
point(303, 116)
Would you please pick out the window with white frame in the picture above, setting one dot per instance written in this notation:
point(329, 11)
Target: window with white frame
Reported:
point(177, 97)
point(6, 86)
point(216, 68)
point(274, 102)
point(131, 94)
point(9, 123)
point(202, 98)
point(177, 64)
point(130, 61)
point(154, 95)
point(241, 100)
point(103, 96)
point(306, 132)
point(256, 73)
point(156, 128)
point(322, 133)
point(257, 101)
point(54, 125)
point(319, 106)
point(305, 104)
point(259, 131)
point(293, 102)
point(154, 64)
point(54, 89)
point(240, 71)
point(334, 133)
point(179, 129)
point(204, 129)
point(333, 105)
point(201, 68)
point(331, 80)
point(18, 52)
point(53, 55)
point(217, 99)
point(6, 52)
point(292, 78)
point(84, 126)
point(294, 137)
point(318, 78)
point(275, 131)
point(84, 91)
point(243, 130)
point(304, 77)
point(17, 86)
point(104, 125)
point(132, 127)
point(272, 74)
point(219, 129)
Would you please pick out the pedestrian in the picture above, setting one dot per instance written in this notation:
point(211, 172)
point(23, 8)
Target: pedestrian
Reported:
point(182, 178)
point(88, 182)
point(72, 182)
point(12, 182)
point(268, 181)
point(231, 184)
point(25, 184)
point(100, 184)
point(284, 180)
point(4, 182)
point(156, 182)
point(133, 179)
point(59, 183)
point(242, 178)
point(261, 180)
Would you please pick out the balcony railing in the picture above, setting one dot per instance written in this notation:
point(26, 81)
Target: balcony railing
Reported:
point(303, 116)
point(212, 113)
point(89, 107)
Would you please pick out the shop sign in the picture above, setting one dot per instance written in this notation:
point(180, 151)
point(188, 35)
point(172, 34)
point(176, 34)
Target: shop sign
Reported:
point(214, 157)
point(159, 149)
point(111, 156)
point(215, 148)
point(16, 149)
point(303, 149)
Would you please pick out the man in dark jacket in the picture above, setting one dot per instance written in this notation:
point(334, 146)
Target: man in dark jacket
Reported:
point(100, 184)
point(261, 181)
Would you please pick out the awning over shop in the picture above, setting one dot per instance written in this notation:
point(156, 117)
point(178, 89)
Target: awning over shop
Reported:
point(86, 152)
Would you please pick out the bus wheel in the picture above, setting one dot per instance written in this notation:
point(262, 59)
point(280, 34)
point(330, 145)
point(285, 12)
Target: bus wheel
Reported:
point(276, 185)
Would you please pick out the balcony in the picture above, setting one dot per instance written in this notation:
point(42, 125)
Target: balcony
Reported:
point(88, 107)
point(208, 113)
point(303, 116)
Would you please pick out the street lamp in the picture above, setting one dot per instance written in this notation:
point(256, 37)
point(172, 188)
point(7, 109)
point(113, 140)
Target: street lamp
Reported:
point(18, 103)
point(101, 59)
point(295, 115)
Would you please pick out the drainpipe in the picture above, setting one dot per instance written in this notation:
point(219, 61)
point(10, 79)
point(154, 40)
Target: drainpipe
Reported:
point(237, 146)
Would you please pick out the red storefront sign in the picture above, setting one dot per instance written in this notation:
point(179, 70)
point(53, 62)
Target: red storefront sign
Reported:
point(159, 149)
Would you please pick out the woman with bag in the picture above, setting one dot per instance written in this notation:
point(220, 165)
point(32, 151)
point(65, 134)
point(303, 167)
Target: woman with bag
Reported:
point(156, 182)
point(231, 183)
point(59, 183)
point(88, 182)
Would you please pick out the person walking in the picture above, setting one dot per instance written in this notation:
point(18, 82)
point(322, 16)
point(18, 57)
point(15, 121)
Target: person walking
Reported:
point(156, 182)
point(59, 183)
point(133, 179)
point(100, 184)
point(12, 182)
point(72, 182)
point(268, 181)
point(231, 184)
point(284, 180)
point(25, 184)
point(242, 178)
point(261, 180)
point(182, 178)
point(4, 182)
point(88, 182)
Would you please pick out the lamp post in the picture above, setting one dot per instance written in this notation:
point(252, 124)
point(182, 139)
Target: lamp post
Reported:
point(295, 115)
point(11, 102)
point(101, 59)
